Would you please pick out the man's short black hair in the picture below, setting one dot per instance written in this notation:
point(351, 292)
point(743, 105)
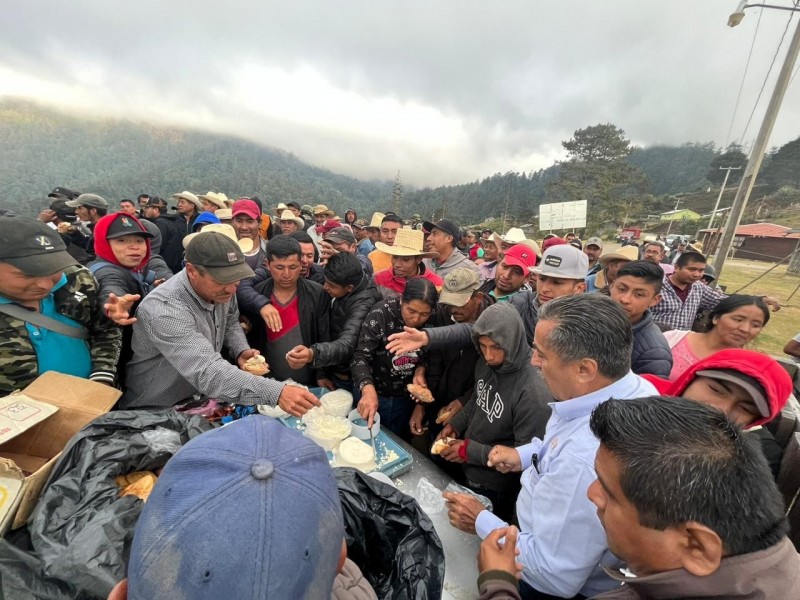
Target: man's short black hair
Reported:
point(283, 246)
point(301, 236)
point(128, 200)
point(689, 257)
point(391, 218)
point(648, 272)
point(683, 461)
point(344, 269)
point(140, 196)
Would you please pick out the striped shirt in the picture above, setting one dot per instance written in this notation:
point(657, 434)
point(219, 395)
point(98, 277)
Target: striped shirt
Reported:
point(177, 344)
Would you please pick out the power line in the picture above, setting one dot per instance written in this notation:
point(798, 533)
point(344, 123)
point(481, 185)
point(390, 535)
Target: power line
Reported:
point(744, 78)
point(772, 64)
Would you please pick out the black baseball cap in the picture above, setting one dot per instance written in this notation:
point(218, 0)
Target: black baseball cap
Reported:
point(125, 225)
point(293, 203)
point(220, 255)
point(33, 247)
point(157, 201)
point(59, 206)
point(449, 227)
point(62, 192)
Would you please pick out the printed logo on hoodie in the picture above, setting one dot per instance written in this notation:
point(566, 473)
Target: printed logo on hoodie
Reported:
point(493, 407)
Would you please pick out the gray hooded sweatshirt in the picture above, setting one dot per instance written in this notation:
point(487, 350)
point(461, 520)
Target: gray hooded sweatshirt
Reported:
point(509, 403)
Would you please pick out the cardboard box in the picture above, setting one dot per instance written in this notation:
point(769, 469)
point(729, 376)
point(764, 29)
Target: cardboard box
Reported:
point(35, 425)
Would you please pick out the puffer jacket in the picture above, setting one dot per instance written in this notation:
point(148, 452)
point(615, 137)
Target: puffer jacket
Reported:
point(765, 370)
point(346, 316)
point(651, 353)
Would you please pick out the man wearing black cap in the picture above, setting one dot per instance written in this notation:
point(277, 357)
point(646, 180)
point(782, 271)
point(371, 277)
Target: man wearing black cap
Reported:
point(50, 313)
point(184, 325)
point(343, 240)
point(443, 238)
point(62, 218)
point(172, 231)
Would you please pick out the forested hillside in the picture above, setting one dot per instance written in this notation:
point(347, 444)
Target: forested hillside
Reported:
point(117, 159)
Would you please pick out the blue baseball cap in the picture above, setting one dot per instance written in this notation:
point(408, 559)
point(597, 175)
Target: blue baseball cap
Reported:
point(250, 510)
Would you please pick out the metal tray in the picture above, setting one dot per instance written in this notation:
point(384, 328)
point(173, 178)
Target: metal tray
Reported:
point(383, 444)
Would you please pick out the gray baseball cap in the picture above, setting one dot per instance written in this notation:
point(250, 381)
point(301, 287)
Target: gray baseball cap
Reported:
point(220, 255)
point(458, 287)
point(90, 200)
point(563, 262)
point(594, 241)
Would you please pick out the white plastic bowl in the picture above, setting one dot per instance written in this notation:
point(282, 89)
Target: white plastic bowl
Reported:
point(360, 429)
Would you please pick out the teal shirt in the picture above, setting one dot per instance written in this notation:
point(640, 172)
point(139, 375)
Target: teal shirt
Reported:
point(55, 351)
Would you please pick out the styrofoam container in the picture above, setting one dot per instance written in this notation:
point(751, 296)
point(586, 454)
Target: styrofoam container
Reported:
point(337, 403)
point(360, 429)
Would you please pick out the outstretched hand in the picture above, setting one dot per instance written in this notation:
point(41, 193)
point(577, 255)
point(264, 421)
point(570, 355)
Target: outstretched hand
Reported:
point(408, 340)
point(118, 309)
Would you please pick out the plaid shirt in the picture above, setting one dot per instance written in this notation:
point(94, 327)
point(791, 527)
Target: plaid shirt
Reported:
point(177, 342)
point(681, 315)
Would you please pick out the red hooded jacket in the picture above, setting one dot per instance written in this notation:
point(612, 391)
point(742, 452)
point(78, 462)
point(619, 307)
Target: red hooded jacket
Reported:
point(765, 370)
point(103, 249)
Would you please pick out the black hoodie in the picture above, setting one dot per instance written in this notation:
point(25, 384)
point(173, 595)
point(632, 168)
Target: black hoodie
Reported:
point(509, 403)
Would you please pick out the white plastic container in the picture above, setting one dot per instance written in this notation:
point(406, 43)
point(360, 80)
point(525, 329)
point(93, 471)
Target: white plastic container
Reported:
point(328, 431)
point(355, 453)
point(337, 403)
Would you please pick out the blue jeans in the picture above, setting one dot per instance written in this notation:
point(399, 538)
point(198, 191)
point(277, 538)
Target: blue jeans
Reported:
point(395, 412)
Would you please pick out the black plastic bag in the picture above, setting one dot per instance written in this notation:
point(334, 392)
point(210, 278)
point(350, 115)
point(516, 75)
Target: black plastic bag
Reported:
point(81, 531)
point(390, 539)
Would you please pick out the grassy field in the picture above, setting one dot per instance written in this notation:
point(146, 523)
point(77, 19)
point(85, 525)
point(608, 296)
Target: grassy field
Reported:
point(784, 324)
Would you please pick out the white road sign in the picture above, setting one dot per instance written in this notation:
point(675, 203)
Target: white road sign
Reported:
point(562, 215)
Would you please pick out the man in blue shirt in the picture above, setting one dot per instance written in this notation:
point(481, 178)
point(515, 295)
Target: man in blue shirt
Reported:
point(583, 348)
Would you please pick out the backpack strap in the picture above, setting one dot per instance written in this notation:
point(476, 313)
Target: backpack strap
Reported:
point(39, 320)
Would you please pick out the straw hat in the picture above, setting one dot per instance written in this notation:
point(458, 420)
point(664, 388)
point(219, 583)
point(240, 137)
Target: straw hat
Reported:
point(288, 215)
point(375, 223)
point(408, 242)
point(515, 235)
point(246, 244)
point(321, 209)
point(624, 253)
point(224, 214)
point(189, 197)
point(218, 200)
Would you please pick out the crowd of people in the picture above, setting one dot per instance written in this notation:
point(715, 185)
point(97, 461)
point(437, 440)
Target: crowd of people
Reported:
point(603, 401)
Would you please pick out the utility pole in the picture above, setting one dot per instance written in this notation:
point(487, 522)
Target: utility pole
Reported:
point(721, 191)
point(669, 227)
point(757, 154)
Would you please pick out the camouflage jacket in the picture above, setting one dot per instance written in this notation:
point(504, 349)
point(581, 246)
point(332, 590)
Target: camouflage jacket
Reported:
point(78, 300)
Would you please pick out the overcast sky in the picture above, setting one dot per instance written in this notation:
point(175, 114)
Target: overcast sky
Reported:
point(446, 91)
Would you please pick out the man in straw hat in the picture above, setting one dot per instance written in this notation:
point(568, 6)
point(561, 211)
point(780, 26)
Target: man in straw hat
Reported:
point(289, 222)
point(189, 207)
point(610, 263)
point(212, 201)
point(406, 256)
point(389, 226)
point(321, 214)
point(182, 328)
